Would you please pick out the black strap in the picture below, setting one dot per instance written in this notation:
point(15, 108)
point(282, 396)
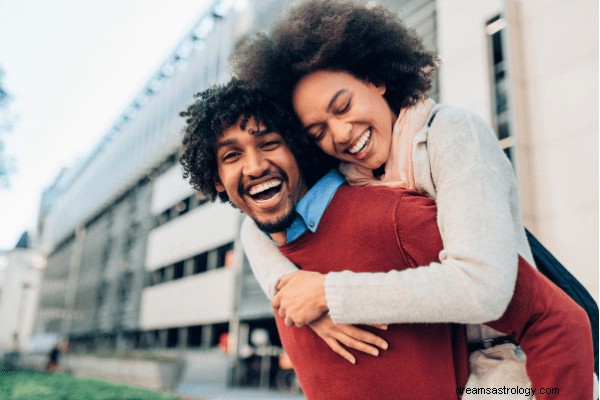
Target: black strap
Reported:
point(489, 343)
point(552, 269)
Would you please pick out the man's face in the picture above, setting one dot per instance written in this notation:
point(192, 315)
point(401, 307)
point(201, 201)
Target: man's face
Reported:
point(260, 175)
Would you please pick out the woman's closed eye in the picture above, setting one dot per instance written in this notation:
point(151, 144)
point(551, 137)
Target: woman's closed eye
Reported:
point(315, 132)
point(344, 107)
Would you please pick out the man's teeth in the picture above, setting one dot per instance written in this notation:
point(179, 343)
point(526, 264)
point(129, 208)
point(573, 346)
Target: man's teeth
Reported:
point(361, 144)
point(254, 190)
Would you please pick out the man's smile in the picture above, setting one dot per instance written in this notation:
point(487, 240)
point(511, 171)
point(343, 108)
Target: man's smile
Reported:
point(266, 192)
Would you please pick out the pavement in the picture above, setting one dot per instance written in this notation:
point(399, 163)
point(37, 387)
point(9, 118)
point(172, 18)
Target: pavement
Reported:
point(204, 391)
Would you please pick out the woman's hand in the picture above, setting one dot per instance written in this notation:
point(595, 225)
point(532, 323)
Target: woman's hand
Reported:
point(300, 298)
point(350, 336)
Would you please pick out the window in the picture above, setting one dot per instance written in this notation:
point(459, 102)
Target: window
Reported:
point(216, 258)
point(496, 31)
point(178, 270)
point(225, 255)
point(172, 337)
point(125, 287)
point(194, 338)
point(218, 330)
point(101, 292)
point(200, 263)
point(106, 251)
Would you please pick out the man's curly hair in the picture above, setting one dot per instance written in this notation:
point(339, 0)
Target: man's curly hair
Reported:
point(220, 107)
point(371, 43)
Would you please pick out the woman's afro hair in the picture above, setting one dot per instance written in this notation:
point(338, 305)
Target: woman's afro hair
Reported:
point(371, 43)
point(219, 108)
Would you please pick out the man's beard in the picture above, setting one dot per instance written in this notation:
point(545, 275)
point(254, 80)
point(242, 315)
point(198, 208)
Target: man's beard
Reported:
point(279, 225)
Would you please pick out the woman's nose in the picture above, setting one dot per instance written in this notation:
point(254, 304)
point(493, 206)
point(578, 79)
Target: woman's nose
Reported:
point(341, 131)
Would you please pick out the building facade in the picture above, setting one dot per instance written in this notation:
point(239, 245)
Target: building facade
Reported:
point(530, 68)
point(137, 260)
point(20, 277)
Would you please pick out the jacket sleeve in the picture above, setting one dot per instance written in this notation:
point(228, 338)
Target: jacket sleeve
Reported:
point(553, 331)
point(474, 279)
point(266, 261)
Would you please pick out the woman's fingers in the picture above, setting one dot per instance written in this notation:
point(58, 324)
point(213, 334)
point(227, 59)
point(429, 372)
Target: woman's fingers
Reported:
point(337, 336)
point(357, 345)
point(383, 327)
point(363, 336)
point(337, 348)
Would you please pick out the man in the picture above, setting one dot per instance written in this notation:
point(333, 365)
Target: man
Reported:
point(240, 147)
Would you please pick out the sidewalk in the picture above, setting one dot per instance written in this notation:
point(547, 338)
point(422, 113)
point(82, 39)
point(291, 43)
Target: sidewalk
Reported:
point(202, 391)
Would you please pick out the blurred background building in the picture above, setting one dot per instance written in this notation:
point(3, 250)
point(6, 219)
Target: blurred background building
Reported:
point(137, 261)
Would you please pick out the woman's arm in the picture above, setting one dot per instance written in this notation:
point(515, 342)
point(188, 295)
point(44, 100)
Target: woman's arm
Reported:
point(474, 281)
point(475, 278)
point(266, 261)
point(269, 266)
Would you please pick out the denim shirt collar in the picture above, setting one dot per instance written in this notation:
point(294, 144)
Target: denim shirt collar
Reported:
point(312, 205)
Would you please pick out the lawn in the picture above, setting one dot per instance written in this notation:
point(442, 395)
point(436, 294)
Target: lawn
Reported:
point(29, 385)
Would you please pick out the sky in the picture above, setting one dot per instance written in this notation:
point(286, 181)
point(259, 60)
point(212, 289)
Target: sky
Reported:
point(71, 67)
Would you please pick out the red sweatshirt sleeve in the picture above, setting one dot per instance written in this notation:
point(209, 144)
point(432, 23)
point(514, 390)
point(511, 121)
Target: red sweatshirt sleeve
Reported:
point(552, 330)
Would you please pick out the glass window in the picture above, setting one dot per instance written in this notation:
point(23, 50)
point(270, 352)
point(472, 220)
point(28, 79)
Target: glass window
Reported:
point(496, 31)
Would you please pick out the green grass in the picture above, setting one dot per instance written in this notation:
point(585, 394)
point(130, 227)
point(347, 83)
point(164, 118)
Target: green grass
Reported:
point(29, 385)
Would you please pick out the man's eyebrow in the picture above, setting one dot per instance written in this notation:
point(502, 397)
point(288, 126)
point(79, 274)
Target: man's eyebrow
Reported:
point(224, 143)
point(263, 132)
point(335, 97)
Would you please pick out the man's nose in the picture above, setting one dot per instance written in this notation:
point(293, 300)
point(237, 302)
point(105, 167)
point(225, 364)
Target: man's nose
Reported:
point(255, 165)
point(341, 131)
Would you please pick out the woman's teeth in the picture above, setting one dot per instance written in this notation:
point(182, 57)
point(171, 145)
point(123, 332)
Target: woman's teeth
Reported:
point(361, 143)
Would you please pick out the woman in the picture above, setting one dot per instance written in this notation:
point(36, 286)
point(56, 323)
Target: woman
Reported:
point(357, 79)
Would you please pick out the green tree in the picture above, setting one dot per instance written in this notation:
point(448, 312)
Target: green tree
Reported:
point(6, 125)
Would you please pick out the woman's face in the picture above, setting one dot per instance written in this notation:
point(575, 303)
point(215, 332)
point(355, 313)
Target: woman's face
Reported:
point(348, 118)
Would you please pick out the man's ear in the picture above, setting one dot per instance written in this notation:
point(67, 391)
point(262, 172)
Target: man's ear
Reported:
point(380, 88)
point(219, 185)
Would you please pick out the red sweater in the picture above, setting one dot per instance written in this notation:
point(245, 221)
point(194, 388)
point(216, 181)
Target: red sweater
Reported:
point(360, 231)
point(378, 229)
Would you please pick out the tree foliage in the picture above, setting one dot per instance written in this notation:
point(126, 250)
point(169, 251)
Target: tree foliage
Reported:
point(6, 125)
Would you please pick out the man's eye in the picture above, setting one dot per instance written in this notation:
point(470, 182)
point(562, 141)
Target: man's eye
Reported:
point(230, 156)
point(270, 145)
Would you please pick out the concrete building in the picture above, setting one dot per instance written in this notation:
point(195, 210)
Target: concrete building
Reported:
point(20, 275)
point(137, 260)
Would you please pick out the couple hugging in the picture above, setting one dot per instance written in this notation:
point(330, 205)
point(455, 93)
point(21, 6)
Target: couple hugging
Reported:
point(417, 226)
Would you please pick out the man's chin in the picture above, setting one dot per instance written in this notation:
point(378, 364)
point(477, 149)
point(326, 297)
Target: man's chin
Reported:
point(279, 225)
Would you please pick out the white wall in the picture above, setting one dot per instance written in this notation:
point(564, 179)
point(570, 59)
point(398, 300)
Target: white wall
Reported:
point(462, 46)
point(203, 228)
point(553, 55)
point(18, 298)
point(205, 298)
point(168, 189)
point(558, 79)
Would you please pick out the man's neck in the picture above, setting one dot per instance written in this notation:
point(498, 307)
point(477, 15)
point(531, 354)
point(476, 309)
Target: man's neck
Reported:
point(279, 237)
